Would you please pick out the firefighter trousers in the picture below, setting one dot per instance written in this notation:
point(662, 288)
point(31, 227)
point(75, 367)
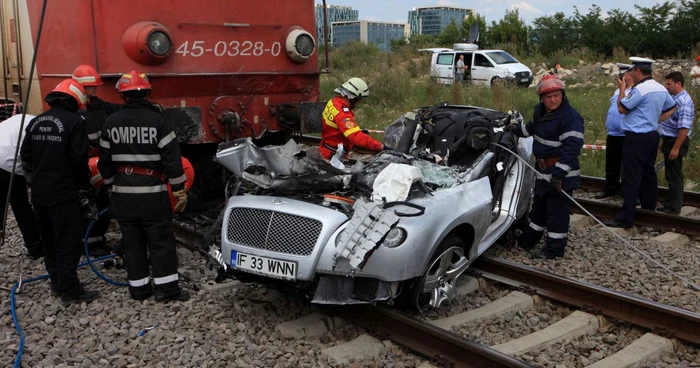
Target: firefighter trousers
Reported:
point(550, 211)
point(98, 231)
point(141, 238)
point(60, 228)
point(19, 200)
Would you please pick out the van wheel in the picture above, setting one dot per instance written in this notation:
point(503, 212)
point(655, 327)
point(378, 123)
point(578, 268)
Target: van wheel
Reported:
point(438, 284)
point(496, 80)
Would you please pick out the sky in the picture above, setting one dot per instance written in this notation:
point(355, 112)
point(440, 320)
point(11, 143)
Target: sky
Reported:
point(493, 10)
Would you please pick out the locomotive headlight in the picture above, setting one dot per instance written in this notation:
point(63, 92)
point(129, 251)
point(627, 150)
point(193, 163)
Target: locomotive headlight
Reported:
point(159, 43)
point(147, 43)
point(300, 44)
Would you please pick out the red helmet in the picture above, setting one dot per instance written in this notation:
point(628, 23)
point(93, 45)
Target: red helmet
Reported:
point(697, 58)
point(550, 83)
point(73, 89)
point(87, 76)
point(133, 81)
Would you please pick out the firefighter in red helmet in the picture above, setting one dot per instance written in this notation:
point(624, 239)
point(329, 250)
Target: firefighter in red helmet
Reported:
point(339, 124)
point(139, 154)
point(54, 156)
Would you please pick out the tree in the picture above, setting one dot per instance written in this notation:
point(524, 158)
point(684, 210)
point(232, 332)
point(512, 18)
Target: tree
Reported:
point(511, 29)
point(449, 35)
point(554, 32)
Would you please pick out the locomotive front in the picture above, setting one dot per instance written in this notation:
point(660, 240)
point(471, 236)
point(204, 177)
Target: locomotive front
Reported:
point(221, 69)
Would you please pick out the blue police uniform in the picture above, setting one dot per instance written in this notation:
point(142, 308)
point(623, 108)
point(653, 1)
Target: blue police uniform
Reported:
point(558, 138)
point(614, 143)
point(645, 103)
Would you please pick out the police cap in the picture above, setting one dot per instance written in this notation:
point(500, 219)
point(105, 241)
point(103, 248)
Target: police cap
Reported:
point(639, 62)
point(624, 67)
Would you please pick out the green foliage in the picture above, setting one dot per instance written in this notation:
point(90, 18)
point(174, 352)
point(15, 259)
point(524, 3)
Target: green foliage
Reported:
point(449, 35)
point(511, 29)
point(467, 25)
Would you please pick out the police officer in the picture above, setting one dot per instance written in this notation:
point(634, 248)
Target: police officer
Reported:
point(54, 154)
point(647, 103)
point(558, 137)
point(339, 124)
point(138, 153)
point(95, 113)
point(9, 132)
point(615, 140)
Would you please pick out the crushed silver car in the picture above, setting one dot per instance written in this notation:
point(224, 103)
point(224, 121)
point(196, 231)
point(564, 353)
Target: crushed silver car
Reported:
point(400, 226)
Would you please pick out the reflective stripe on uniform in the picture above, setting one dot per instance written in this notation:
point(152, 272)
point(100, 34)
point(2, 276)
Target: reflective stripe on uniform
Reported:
point(88, 79)
point(167, 139)
point(96, 239)
point(93, 136)
point(536, 227)
point(135, 158)
point(142, 282)
point(331, 124)
point(165, 279)
point(524, 129)
point(556, 235)
point(572, 133)
point(140, 190)
point(179, 180)
point(95, 178)
point(104, 144)
point(109, 181)
point(564, 167)
point(573, 173)
point(354, 129)
point(547, 142)
point(548, 177)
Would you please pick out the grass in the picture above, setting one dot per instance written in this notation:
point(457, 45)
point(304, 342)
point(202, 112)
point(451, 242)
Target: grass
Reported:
point(399, 83)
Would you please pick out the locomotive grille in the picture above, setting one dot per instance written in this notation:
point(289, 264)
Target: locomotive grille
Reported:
point(522, 74)
point(273, 231)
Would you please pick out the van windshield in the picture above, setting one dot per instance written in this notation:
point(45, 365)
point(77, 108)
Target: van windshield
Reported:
point(501, 57)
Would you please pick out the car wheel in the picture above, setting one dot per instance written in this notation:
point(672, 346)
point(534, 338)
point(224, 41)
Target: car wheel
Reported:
point(496, 80)
point(439, 281)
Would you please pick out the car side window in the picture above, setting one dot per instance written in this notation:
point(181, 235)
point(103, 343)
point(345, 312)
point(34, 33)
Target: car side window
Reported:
point(481, 60)
point(445, 59)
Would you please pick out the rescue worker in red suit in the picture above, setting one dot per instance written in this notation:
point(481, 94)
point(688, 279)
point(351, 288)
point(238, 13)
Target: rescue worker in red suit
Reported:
point(97, 182)
point(557, 130)
point(54, 156)
point(95, 113)
point(139, 153)
point(339, 124)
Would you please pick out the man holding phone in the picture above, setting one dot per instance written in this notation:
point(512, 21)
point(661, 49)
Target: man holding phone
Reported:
point(615, 139)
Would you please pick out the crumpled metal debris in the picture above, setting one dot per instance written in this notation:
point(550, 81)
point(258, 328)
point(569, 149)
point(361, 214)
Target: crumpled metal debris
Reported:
point(333, 289)
point(365, 232)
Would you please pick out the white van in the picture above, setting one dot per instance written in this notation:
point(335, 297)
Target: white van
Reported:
point(485, 66)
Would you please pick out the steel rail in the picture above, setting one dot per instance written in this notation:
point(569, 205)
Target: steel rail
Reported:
point(658, 220)
point(439, 345)
point(661, 319)
point(595, 183)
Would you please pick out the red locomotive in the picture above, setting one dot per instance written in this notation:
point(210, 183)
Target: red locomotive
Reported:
point(220, 69)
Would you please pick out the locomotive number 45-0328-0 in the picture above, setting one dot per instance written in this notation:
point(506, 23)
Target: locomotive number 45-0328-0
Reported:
point(228, 48)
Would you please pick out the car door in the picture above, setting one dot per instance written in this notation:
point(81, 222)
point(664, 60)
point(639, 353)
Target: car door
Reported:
point(467, 62)
point(482, 69)
point(444, 67)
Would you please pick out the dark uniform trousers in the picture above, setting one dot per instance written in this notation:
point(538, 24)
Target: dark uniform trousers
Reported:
point(638, 174)
point(61, 234)
point(98, 231)
point(613, 163)
point(673, 170)
point(21, 208)
point(141, 237)
point(550, 210)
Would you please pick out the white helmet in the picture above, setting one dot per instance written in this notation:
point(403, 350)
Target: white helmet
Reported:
point(353, 88)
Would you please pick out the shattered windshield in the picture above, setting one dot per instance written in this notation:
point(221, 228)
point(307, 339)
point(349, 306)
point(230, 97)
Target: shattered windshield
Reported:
point(501, 57)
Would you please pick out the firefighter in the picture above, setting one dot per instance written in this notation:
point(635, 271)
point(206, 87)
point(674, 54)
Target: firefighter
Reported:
point(97, 182)
point(558, 137)
point(54, 156)
point(139, 152)
point(95, 113)
point(339, 124)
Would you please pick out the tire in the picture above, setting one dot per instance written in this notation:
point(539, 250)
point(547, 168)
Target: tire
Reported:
point(417, 297)
point(496, 80)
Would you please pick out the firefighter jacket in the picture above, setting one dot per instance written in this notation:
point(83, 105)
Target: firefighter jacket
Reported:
point(339, 126)
point(138, 151)
point(55, 155)
point(95, 115)
point(558, 136)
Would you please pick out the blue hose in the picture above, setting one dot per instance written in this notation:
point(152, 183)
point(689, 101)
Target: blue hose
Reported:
point(89, 262)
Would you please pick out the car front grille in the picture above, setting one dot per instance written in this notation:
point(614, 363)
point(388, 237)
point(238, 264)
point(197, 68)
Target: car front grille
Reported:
point(273, 231)
point(522, 74)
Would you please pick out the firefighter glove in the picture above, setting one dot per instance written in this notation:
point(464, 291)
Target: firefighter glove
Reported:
point(556, 183)
point(365, 131)
point(88, 208)
point(181, 197)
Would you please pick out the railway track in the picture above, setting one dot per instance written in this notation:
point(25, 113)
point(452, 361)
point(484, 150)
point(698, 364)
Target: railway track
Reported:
point(434, 339)
point(592, 183)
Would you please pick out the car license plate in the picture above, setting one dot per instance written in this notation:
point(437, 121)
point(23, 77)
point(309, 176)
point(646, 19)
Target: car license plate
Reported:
point(263, 265)
point(524, 80)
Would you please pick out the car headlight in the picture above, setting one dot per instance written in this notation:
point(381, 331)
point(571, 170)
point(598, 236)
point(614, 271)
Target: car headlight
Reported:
point(159, 43)
point(300, 44)
point(394, 237)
